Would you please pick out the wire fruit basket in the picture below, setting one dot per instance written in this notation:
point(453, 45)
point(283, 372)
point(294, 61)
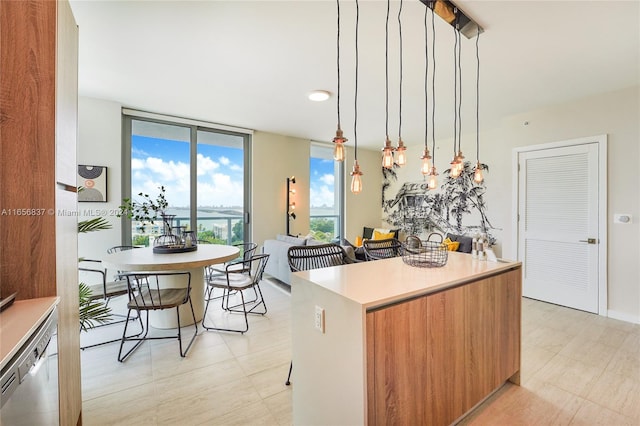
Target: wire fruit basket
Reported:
point(429, 254)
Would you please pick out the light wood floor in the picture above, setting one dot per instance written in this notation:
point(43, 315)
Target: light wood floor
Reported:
point(577, 369)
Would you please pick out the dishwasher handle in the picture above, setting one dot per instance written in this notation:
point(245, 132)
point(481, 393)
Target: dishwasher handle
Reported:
point(32, 363)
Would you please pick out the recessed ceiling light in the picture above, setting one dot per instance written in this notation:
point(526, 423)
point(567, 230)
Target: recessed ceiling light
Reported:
point(319, 95)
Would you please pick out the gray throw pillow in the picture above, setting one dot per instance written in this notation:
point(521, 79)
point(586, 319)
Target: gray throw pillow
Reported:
point(466, 243)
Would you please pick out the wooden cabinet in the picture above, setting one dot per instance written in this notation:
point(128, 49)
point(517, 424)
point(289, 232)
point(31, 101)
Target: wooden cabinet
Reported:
point(38, 202)
point(66, 96)
point(397, 346)
point(433, 358)
point(27, 160)
point(66, 221)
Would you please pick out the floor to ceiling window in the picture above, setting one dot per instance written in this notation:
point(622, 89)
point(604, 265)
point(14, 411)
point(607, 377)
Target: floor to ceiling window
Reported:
point(220, 187)
point(325, 186)
point(202, 170)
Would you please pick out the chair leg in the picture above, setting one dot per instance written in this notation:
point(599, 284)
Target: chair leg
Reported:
point(259, 300)
point(139, 340)
point(262, 302)
point(244, 308)
point(127, 319)
point(228, 309)
point(195, 324)
point(288, 382)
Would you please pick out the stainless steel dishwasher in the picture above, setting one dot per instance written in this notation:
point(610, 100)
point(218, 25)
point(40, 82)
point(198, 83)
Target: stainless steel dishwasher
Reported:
point(30, 380)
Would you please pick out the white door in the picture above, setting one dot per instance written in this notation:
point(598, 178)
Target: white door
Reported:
point(558, 225)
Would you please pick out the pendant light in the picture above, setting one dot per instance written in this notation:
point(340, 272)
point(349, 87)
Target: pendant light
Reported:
point(425, 168)
point(356, 174)
point(387, 151)
point(402, 156)
point(477, 174)
point(459, 156)
point(339, 140)
point(433, 179)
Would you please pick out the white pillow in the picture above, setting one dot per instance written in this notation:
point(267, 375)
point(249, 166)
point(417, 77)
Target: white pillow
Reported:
point(291, 240)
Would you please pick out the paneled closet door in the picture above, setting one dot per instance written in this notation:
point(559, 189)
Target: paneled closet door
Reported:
point(558, 225)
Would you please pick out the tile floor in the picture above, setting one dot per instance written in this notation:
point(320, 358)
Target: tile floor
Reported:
point(577, 369)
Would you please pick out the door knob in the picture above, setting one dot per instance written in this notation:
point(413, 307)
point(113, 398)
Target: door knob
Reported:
point(588, 241)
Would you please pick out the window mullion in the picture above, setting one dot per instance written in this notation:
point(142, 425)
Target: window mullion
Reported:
point(193, 181)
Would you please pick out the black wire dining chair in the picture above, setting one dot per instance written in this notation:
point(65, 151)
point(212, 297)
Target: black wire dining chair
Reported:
point(157, 291)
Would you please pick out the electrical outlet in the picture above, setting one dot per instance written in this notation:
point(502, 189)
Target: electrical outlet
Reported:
point(319, 319)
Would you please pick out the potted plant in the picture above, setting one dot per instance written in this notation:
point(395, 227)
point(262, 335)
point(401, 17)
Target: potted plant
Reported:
point(147, 210)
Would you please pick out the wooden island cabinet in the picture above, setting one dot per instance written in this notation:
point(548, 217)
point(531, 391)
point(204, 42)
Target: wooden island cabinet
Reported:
point(403, 345)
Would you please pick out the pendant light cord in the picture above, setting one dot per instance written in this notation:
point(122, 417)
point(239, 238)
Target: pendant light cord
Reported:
point(426, 82)
point(478, 98)
point(459, 88)
point(355, 114)
point(338, 60)
point(455, 86)
point(400, 97)
point(433, 90)
point(386, 73)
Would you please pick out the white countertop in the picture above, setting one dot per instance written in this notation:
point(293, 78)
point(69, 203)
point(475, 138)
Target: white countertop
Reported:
point(380, 282)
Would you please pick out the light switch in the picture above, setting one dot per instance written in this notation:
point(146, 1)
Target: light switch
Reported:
point(623, 218)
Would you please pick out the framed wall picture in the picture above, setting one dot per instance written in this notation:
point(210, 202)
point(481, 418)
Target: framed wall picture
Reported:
point(93, 183)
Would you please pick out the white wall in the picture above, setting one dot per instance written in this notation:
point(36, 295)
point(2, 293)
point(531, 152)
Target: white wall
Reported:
point(276, 157)
point(363, 209)
point(616, 114)
point(99, 143)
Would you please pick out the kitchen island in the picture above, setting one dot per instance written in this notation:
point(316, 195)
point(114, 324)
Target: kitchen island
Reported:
point(383, 342)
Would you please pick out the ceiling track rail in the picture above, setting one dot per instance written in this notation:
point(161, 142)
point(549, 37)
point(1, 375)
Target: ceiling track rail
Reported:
point(450, 12)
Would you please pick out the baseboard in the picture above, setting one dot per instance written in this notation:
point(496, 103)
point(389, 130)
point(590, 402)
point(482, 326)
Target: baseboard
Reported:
point(283, 287)
point(623, 317)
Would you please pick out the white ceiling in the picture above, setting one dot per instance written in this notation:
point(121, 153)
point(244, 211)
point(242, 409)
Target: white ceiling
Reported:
point(251, 64)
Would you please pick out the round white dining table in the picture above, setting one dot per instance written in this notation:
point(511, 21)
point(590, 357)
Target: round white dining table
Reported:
point(145, 260)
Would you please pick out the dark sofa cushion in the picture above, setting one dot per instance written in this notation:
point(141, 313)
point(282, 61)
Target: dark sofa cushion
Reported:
point(465, 242)
point(367, 233)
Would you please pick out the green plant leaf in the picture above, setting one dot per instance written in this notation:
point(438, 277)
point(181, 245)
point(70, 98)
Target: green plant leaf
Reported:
point(92, 312)
point(92, 225)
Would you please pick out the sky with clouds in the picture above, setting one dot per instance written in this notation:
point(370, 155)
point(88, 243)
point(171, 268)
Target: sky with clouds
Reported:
point(322, 182)
point(160, 162)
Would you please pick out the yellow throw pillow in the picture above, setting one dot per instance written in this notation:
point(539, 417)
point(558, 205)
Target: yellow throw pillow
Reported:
point(381, 235)
point(451, 245)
